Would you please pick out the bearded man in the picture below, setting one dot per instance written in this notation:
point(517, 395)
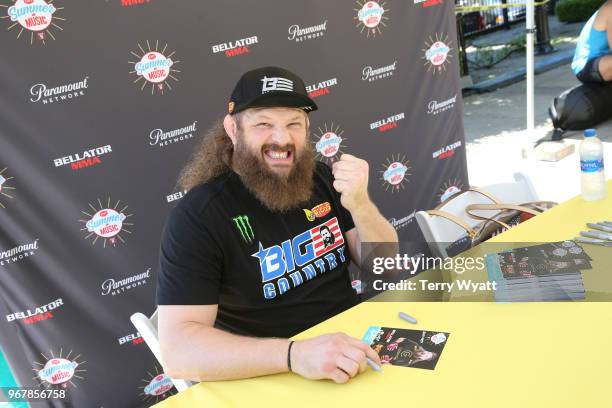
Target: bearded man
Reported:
point(242, 268)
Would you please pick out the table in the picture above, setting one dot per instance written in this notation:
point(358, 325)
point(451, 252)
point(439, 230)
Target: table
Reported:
point(554, 354)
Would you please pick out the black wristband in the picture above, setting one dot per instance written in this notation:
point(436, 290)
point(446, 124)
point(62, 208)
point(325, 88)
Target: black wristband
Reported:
point(289, 355)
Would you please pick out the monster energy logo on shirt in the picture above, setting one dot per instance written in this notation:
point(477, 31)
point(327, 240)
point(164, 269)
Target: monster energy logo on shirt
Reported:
point(243, 225)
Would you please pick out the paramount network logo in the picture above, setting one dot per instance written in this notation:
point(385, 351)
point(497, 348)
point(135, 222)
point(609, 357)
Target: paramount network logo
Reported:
point(115, 287)
point(18, 253)
point(399, 223)
point(157, 137)
point(372, 74)
point(298, 34)
point(40, 92)
point(434, 107)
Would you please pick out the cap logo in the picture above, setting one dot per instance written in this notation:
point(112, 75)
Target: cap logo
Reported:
point(231, 106)
point(276, 84)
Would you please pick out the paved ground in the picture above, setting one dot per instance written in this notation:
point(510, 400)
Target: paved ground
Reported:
point(563, 37)
point(494, 130)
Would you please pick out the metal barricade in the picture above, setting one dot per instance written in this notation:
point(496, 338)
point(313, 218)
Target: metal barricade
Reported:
point(479, 22)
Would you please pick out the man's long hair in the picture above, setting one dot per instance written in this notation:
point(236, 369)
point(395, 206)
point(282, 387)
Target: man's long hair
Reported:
point(211, 157)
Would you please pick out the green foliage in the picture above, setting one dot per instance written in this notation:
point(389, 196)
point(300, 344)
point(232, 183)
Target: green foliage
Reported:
point(518, 42)
point(572, 11)
point(487, 56)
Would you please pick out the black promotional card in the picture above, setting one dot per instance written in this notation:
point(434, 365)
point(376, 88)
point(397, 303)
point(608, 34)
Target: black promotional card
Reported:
point(566, 251)
point(513, 264)
point(557, 258)
point(405, 347)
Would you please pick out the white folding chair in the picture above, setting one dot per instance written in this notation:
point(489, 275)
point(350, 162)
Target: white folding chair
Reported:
point(439, 232)
point(147, 327)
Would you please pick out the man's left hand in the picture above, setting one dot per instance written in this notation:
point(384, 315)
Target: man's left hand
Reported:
point(351, 181)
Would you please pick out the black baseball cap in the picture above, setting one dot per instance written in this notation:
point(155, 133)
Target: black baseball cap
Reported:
point(268, 87)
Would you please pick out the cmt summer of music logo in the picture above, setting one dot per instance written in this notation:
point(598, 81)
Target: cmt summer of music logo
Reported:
point(57, 371)
point(394, 174)
point(154, 67)
point(370, 16)
point(156, 387)
point(438, 53)
point(449, 188)
point(39, 17)
point(328, 142)
point(5, 187)
point(106, 222)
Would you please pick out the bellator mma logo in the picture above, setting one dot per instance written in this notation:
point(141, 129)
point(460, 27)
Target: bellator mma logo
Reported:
point(437, 54)
point(154, 67)
point(370, 17)
point(88, 158)
point(428, 3)
point(156, 387)
point(234, 48)
point(175, 196)
point(40, 313)
point(37, 16)
point(446, 151)
point(329, 143)
point(321, 88)
point(106, 223)
point(132, 338)
point(388, 123)
point(128, 3)
point(394, 173)
point(58, 372)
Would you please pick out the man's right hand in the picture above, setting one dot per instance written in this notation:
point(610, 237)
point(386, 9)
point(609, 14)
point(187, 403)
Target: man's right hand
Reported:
point(335, 356)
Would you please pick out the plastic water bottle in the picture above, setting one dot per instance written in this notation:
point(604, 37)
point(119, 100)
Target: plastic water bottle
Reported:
point(593, 179)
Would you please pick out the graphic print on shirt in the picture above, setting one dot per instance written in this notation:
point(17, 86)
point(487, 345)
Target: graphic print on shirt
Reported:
point(318, 211)
point(241, 222)
point(301, 258)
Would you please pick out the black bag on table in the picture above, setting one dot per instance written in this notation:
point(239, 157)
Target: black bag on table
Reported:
point(581, 107)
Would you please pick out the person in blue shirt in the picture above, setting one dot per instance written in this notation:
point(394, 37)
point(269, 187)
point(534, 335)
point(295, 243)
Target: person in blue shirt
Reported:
point(592, 60)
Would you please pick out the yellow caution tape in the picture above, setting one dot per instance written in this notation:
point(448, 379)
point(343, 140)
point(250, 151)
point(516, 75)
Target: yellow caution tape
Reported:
point(470, 9)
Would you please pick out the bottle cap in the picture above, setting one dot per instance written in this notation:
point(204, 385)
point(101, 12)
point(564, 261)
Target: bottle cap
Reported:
point(590, 133)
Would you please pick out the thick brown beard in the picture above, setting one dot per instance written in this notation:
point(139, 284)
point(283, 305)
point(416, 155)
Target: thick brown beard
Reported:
point(279, 193)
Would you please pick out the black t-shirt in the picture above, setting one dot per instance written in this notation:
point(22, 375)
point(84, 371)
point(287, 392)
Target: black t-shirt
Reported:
point(271, 274)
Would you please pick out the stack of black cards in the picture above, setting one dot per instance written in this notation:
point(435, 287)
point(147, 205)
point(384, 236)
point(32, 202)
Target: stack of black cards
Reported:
point(539, 273)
